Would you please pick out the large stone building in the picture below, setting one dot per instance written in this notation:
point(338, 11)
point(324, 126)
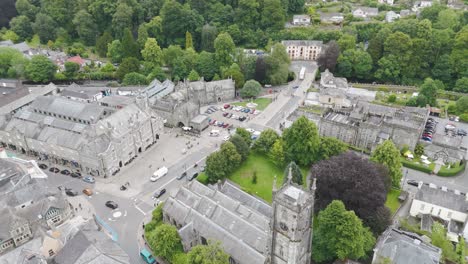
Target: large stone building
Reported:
point(365, 125)
point(27, 204)
point(303, 49)
point(90, 138)
point(249, 229)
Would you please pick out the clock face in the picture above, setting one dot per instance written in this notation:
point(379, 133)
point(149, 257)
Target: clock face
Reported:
point(283, 226)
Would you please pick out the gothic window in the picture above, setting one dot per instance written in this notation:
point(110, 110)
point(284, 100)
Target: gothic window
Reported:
point(51, 213)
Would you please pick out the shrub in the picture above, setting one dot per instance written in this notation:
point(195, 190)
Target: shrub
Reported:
point(464, 117)
point(415, 166)
point(404, 149)
point(444, 172)
point(392, 98)
point(254, 177)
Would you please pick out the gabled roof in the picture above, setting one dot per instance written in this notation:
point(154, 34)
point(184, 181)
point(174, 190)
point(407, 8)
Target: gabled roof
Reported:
point(77, 59)
point(446, 199)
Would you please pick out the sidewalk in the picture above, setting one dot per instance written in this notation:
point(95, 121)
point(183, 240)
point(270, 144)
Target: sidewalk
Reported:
point(82, 207)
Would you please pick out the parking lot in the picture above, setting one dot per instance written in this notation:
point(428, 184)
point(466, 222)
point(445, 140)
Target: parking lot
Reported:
point(229, 117)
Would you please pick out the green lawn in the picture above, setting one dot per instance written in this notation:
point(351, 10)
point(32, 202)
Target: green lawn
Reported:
point(261, 102)
point(392, 200)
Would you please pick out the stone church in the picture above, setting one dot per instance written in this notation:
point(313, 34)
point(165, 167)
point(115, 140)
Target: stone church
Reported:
point(249, 229)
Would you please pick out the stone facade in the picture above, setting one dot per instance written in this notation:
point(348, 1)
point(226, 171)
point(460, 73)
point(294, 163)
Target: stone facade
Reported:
point(365, 125)
point(303, 49)
point(86, 137)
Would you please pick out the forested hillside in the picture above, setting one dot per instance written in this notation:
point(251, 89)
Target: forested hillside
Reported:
point(7, 11)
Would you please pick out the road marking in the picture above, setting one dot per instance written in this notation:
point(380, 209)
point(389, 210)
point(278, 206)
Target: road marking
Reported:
point(138, 208)
point(125, 214)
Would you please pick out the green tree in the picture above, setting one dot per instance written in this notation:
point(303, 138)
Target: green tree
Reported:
point(251, 89)
point(134, 78)
point(461, 251)
point(447, 19)
point(246, 14)
point(331, 147)
point(102, 43)
point(296, 6)
point(245, 135)
point(193, 76)
point(296, 174)
point(128, 65)
point(234, 72)
point(206, 66)
point(461, 85)
point(178, 19)
point(122, 20)
point(152, 53)
point(25, 8)
point(44, 27)
point(419, 150)
point(224, 50)
point(267, 138)
point(115, 51)
point(10, 35)
point(233, 158)
point(347, 42)
point(277, 65)
point(22, 26)
point(40, 69)
point(276, 153)
point(460, 53)
point(462, 105)
point(241, 146)
point(165, 241)
point(302, 142)
point(129, 45)
point(216, 167)
point(8, 58)
point(355, 63)
point(208, 36)
point(171, 53)
point(71, 69)
point(439, 239)
point(188, 40)
point(272, 15)
point(442, 69)
point(429, 90)
point(389, 156)
point(86, 27)
point(212, 253)
point(340, 235)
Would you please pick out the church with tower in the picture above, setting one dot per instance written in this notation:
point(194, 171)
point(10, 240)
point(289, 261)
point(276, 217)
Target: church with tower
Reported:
point(249, 229)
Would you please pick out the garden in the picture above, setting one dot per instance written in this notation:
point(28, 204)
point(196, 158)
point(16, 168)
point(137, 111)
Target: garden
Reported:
point(262, 103)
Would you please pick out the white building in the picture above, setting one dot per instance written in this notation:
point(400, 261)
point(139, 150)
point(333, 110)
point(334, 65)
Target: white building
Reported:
point(450, 207)
point(365, 12)
point(391, 16)
point(299, 20)
point(388, 2)
point(303, 49)
point(421, 4)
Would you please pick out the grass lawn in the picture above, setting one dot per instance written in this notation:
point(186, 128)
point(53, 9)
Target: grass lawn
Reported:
point(392, 200)
point(261, 102)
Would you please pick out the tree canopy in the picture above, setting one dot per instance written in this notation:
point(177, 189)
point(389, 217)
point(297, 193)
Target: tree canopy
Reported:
point(208, 254)
point(388, 155)
point(40, 69)
point(301, 142)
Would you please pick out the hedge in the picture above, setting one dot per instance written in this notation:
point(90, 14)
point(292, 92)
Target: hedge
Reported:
point(444, 172)
point(415, 166)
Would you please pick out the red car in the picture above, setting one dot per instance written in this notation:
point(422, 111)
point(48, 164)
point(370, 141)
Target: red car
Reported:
point(226, 106)
point(225, 114)
point(225, 125)
point(212, 122)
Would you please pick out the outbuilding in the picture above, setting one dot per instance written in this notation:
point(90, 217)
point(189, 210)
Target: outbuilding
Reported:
point(199, 123)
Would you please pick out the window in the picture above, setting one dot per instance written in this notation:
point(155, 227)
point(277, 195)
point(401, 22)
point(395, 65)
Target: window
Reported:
point(51, 253)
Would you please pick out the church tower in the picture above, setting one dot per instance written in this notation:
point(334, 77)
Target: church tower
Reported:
point(290, 240)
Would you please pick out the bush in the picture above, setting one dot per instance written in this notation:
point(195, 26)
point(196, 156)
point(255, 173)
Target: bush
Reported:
point(415, 166)
point(392, 98)
point(404, 149)
point(444, 172)
point(464, 117)
point(150, 226)
point(254, 177)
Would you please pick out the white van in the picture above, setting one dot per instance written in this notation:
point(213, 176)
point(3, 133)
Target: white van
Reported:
point(214, 133)
point(158, 174)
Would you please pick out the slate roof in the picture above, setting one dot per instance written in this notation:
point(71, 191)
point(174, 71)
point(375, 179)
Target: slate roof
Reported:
point(302, 43)
point(91, 247)
point(446, 199)
point(406, 248)
point(242, 229)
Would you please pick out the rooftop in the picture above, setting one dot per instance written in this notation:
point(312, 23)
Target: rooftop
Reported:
point(302, 42)
point(447, 199)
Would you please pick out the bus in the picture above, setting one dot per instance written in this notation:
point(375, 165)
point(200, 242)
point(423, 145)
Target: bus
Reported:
point(302, 73)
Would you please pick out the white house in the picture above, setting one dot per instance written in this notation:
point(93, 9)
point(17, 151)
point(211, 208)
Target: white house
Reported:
point(421, 4)
point(365, 12)
point(388, 2)
point(439, 204)
point(301, 20)
point(391, 16)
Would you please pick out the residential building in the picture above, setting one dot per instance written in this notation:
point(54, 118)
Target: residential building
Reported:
point(335, 18)
point(365, 12)
point(400, 247)
point(303, 49)
point(391, 16)
point(301, 20)
point(21, 96)
point(387, 2)
point(11, 90)
point(249, 229)
point(329, 81)
point(90, 138)
point(78, 60)
point(418, 5)
point(85, 93)
point(365, 125)
point(445, 206)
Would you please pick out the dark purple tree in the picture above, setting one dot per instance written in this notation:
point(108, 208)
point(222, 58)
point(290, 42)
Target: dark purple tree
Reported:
point(328, 58)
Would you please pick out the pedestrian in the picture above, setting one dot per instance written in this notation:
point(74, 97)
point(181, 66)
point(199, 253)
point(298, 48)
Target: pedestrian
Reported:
point(143, 226)
point(164, 159)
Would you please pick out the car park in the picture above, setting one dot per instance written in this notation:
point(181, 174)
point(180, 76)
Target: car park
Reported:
point(70, 192)
point(54, 170)
point(195, 175)
point(461, 132)
point(427, 139)
point(89, 179)
point(449, 127)
point(65, 172)
point(112, 205)
point(159, 193)
point(212, 122)
point(43, 166)
point(225, 125)
point(220, 124)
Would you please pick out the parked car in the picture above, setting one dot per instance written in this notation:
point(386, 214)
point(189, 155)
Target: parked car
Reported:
point(427, 139)
point(229, 115)
point(461, 132)
point(220, 124)
point(225, 114)
point(182, 175)
point(112, 205)
point(226, 106)
point(147, 257)
point(250, 130)
point(226, 138)
point(412, 182)
point(65, 172)
point(54, 170)
point(295, 86)
point(88, 191)
point(70, 192)
point(159, 193)
point(212, 122)
point(195, 175)
point(89, 179)
point(450, 127)
point(225, 125)
point(43, 166)
point(75, 174)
